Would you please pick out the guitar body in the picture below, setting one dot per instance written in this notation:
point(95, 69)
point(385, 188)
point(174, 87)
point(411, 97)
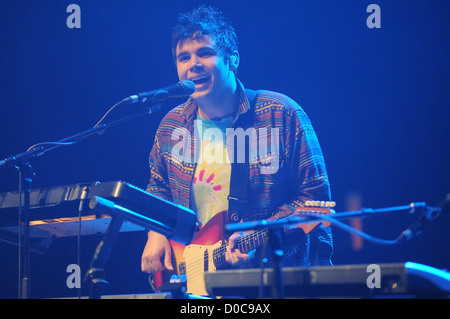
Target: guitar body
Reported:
point(196, 268)
point(190, 260)
point(207, 250)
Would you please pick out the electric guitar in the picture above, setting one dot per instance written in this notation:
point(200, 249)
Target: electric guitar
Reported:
point(207, 250)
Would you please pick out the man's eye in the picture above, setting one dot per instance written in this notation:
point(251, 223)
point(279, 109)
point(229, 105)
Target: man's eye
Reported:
point(205, 54)
point(183, 58)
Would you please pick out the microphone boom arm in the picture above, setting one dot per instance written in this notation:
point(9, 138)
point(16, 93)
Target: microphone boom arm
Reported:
point(41, 148)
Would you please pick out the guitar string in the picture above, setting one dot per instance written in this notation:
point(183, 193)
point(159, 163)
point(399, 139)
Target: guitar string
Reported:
point(197, 265)
point(200, 261)
point(195, 271)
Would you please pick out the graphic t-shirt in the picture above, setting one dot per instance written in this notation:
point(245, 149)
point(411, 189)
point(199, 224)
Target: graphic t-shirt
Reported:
point(211, 183)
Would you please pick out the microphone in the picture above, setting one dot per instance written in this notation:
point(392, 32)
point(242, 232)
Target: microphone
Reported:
point(427, 214)
point(180, 89)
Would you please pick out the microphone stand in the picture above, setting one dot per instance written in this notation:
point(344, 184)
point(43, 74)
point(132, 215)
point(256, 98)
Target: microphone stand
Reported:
point(430, 213)
point(24, 157)
point(22, 163)
point(95, 276)
point(276, 229)
point(26, 175)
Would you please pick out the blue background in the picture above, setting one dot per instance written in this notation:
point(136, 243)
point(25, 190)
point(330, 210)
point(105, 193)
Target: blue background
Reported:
point(378, 99)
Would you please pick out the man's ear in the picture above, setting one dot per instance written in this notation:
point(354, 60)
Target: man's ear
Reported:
point(234, 60)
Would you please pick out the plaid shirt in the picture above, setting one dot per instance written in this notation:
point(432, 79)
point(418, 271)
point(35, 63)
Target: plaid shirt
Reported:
point(300, 173)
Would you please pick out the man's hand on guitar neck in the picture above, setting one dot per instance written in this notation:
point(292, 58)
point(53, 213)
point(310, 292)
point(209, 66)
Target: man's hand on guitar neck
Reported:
point(156, 248)
point(233, 255)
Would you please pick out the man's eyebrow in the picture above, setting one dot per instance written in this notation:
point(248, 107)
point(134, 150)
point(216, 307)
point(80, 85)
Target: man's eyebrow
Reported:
point(199, 50)
point(207, 49)
point(182, 53)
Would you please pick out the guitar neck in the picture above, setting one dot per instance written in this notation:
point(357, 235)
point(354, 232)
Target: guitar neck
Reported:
point(244, 244)
point(252, 241)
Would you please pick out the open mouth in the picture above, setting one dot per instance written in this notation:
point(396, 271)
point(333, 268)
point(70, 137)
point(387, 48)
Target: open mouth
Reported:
point(201, 79)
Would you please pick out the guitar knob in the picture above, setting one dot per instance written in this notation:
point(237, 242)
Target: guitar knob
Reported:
point(234, 218)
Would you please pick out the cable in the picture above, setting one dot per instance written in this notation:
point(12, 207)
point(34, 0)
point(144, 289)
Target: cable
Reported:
point(73, 142)
point(348, 228)
point(103, 117)
point(50, 143)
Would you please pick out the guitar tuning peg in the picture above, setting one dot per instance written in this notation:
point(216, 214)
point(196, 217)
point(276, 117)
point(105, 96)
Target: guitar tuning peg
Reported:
point(312, 203)
point(330, 204)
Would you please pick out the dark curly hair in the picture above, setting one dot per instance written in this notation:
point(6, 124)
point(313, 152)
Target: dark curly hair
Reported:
point(205, 20)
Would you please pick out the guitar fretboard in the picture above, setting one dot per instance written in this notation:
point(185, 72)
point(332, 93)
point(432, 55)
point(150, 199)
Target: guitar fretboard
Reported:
point(258, 238)
point(244, 244)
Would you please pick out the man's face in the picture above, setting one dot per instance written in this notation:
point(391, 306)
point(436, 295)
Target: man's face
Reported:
point(200, 61)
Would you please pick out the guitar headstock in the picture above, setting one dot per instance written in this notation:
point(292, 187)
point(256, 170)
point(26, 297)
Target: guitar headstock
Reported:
point(314, 208)
point(318, 204)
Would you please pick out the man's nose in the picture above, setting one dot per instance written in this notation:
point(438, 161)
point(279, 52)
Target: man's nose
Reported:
point(196, 66)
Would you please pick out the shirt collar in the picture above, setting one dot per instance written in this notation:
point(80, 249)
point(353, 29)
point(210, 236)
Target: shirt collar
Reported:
point(243, 107)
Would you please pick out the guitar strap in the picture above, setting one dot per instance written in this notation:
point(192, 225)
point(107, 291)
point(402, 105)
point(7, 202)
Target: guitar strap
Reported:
point(237, 199)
